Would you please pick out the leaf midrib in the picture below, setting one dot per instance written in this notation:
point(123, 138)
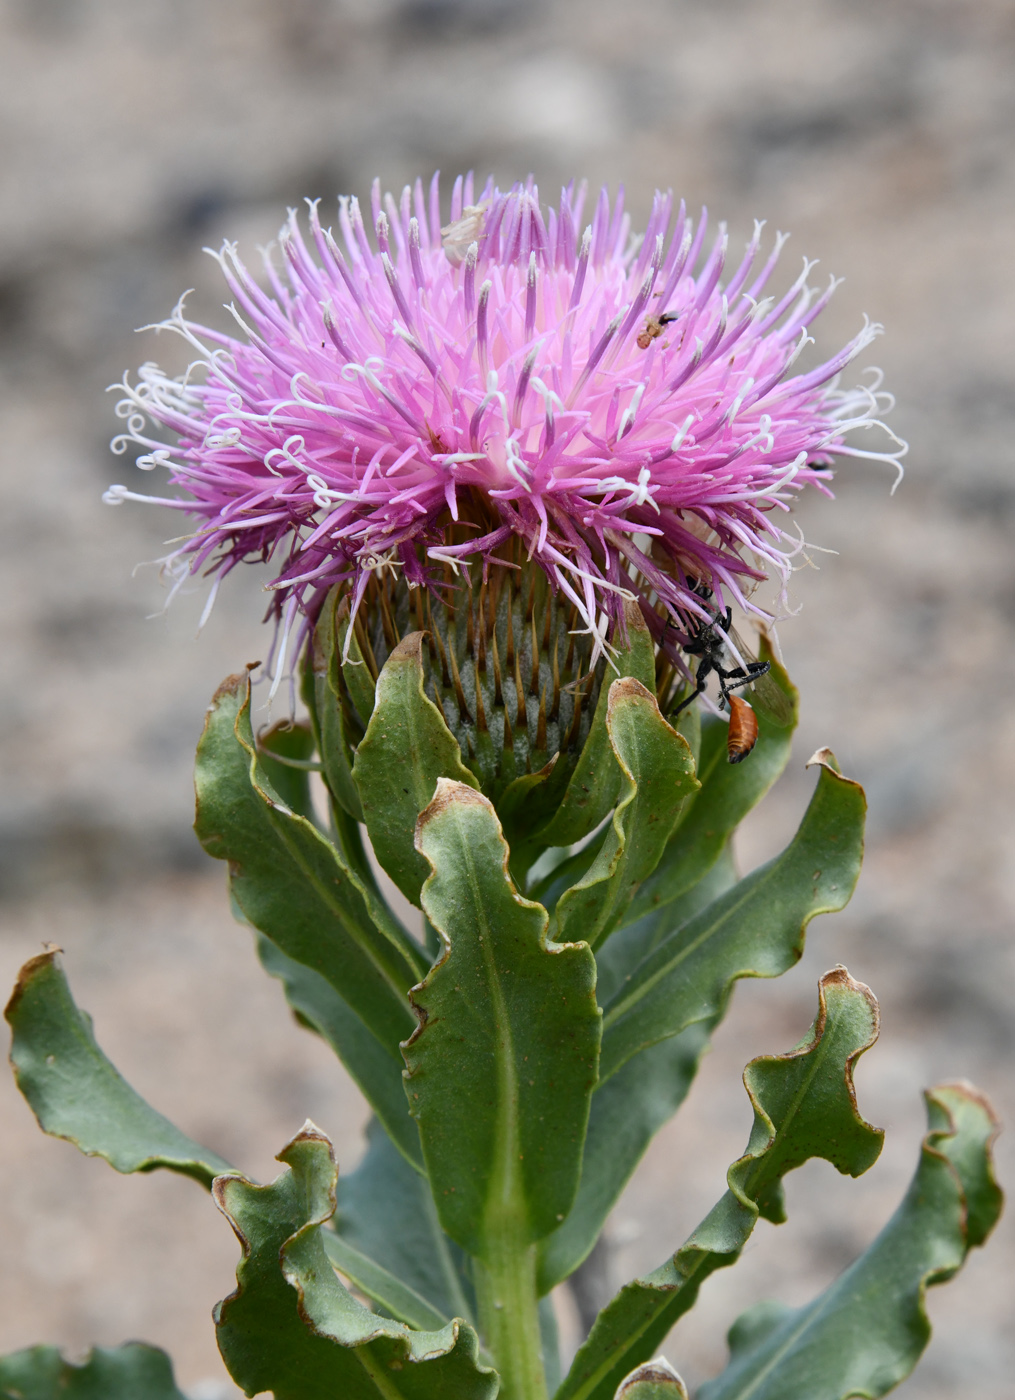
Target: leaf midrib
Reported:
point(326, 896)
point(756, 881)
point(504, 1175)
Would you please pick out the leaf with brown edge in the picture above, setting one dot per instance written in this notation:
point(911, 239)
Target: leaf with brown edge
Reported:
point(319, 908)
point(655, 1380)
point(804, 1106)
point(728, 793)
point(502, 1067)
point(755, 929)
point(77, 1094)
point(865, 1333)
point(293, 1329)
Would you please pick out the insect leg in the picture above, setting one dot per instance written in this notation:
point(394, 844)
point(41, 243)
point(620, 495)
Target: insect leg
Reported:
point(738, 677)
point(705, 666)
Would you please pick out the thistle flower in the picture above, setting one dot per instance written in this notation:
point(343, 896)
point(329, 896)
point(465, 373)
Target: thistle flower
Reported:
point(424, 399)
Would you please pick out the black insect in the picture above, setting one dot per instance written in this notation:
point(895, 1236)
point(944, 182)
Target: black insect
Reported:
point(709, 643)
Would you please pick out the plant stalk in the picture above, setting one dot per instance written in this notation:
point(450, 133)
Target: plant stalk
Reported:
point(509, 1318)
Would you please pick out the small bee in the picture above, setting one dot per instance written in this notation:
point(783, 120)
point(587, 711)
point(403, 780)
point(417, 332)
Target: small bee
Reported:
point(711, 645)
point(654, 327)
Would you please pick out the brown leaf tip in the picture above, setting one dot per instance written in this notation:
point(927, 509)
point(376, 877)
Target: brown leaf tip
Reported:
point(657, 1372)
point(839, 976)
point(450, 791)
point(27, 973)
point(232, 685)
point(410, 648)
point(625, 687)
point(310, 1132)
point(824, 758)
point(967, 1091)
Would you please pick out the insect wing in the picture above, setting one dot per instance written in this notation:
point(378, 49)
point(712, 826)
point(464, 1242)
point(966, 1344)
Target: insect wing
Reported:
point(771, 700)
point(767, 695)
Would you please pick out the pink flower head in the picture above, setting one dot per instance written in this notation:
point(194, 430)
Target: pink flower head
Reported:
point(416, 398)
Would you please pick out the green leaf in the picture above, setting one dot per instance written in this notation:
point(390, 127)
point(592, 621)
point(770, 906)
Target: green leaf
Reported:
point(556, 870)
point(281, 749)
point(655, 1380)
point(407, 747)
point(319, 1007)
point(121, 1373)
point(595, 782)
point(78, 1095)
point(728, 793)
point(322, 692)
point(804, 1106)
point(657, 775)
point(633, 1104)
point(290, 882)
point(865, 1333)
point(293, 1329)
point(524, 806)
point(395, 1298)
point(627, 1112)
point(618, 958)
point(386, 1211)
point(501, 1069)
point(756, 929)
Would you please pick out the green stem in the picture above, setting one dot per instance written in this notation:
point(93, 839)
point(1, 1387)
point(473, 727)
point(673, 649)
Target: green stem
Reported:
point(509, 1318)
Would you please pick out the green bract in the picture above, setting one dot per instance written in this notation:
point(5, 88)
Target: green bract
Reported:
point(584, 928)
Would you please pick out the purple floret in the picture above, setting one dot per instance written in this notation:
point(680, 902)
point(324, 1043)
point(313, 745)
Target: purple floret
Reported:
point(415, 399)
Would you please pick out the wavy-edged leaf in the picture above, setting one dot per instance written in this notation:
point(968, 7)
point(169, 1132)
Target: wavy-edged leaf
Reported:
point(319, 1007)
point(293, 1329)
point(756, 929)
point(106, 1373)
point(595, 783)
point(866, 1332)
point(502, 1066)
point(293, 884)
point(386, 1211)
point(728, 793)
point(77, 1094)
point(657, 775)
point(654, 1380)
point(406, 748)
point(804, 1106)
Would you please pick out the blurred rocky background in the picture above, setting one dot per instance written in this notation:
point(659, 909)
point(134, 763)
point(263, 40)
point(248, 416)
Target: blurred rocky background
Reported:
point(136, 131)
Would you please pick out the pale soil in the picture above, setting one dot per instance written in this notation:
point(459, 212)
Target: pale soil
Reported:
point(134, 133)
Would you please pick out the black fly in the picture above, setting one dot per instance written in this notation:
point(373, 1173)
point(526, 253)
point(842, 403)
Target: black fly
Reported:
point(712, 647)
point(709, 643)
